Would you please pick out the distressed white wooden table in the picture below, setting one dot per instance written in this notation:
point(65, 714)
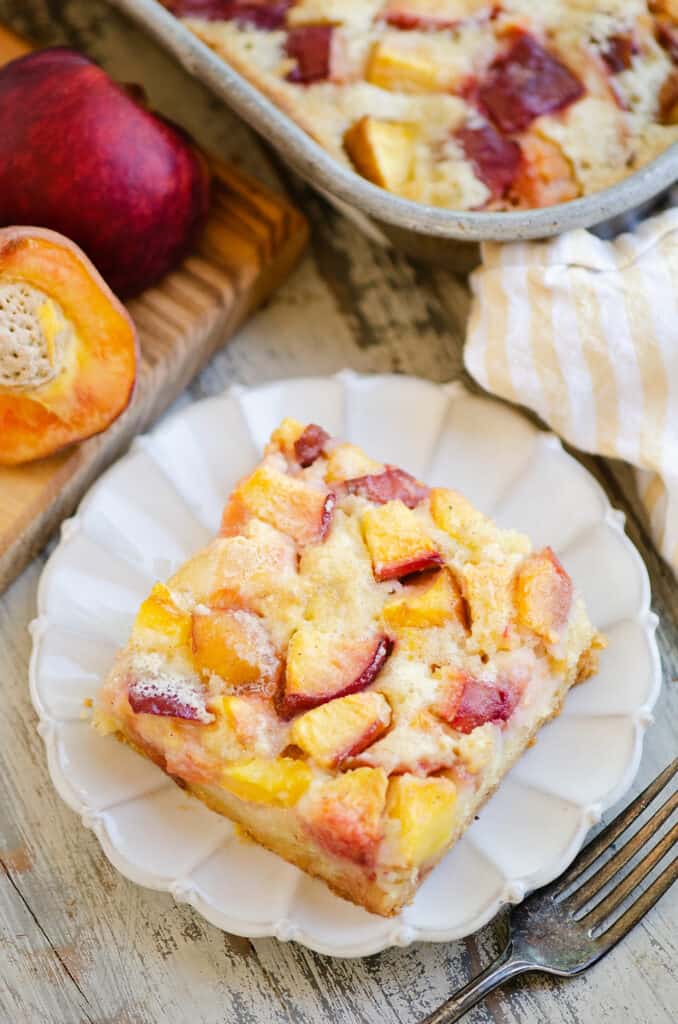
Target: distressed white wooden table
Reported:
point(79, 943)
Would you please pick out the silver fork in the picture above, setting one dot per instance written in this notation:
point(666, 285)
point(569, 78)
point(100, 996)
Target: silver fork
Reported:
point(554, 931)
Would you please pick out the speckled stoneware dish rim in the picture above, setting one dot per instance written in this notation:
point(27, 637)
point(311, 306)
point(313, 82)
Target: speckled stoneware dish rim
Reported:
point(318, 167)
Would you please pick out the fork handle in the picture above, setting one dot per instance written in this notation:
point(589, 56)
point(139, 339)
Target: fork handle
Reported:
point(506, 966)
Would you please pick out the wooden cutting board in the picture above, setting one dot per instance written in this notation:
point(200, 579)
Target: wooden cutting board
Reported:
point(252, 241)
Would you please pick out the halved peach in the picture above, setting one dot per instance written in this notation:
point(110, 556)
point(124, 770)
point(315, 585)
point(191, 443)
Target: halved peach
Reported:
point(68, 352)
point(341, 728)
point(322, 666)
point(398, 542)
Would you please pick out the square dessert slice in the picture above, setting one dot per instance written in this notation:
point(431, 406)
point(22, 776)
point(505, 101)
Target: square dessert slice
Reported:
point(351, 666)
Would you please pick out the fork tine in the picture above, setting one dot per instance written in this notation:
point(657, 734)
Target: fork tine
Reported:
point(616, 897)
point(641, 906)
point(616, 827)
point(610, 868)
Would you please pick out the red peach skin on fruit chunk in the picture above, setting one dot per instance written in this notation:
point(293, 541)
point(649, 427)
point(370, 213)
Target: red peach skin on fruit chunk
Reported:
point(494, 158)
point(390, 485)
point(428, 14)
point(346, 816)
point(309, 445)
point(342, 728)
point(397, 542)
point(322, 666)
point(467, 703)
point(525, 83)
point(269, 15)
point(169, 697)
point(311, 47)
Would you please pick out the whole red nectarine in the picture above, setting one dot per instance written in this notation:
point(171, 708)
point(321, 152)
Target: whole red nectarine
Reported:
point(80, 156)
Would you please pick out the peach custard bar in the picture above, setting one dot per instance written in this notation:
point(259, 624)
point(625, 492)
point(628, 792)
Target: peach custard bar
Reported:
point(348, 670)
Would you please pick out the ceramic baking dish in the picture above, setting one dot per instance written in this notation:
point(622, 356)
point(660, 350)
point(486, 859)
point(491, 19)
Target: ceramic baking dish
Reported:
point(423, 231)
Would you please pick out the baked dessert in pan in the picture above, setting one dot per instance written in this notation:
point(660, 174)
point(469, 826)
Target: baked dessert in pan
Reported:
point(351, 667)
point(464, 104)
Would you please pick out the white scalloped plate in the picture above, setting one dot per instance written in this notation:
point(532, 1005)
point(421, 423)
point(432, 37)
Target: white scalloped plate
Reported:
point(159, 503)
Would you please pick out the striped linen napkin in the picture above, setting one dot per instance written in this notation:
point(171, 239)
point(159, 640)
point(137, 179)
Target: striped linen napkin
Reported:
point(585, 333)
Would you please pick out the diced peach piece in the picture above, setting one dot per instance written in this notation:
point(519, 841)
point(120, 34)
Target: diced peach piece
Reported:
point(235, 645)
point(464, 523)
point(618, 52)
point(419, 744)
point(284, 437)
point(545, 176)
point(160, 622)
point(310, 444)
point(543, 595)
point(424, 811)
point(398, 542)
point(169, 696)
point(427, 14)
point(382, 151)
point(346, 816)
point(667, 7)
point(266, 16)
point(341, 728)
point(241, 565)
point(390, 485)
point(290, 504)
point(347, 461)
point(313, 48)
point(323, 666)
point(668, 96)
point(525, 82)
point(243, 715)
point(298, 443)
point(466, 703)
point(489, 593)
point(425, 604)
point(313, 12)
point(454, 514)
point(280, 781)
point(402, 69)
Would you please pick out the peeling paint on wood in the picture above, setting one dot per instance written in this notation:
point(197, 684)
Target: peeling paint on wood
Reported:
point(79, 943)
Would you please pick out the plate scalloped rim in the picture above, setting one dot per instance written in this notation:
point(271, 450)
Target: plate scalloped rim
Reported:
point(396, 932)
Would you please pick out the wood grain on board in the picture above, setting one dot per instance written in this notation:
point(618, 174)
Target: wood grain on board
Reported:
point(252, 241)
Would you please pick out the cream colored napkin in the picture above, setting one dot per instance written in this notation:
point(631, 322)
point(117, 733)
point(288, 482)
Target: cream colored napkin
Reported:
point(585, 332)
